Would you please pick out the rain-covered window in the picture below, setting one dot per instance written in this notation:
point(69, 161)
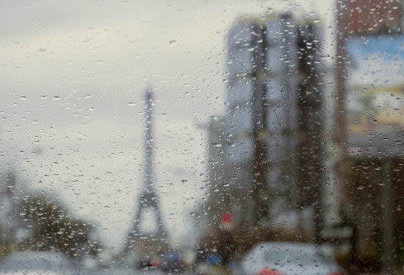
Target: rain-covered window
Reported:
point(237, 137)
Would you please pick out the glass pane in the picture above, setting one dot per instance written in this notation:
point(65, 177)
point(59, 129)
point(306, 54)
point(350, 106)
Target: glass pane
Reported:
point(238, 137)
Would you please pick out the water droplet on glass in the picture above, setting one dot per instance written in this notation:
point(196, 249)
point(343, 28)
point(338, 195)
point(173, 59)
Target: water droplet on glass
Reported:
point(217, 145)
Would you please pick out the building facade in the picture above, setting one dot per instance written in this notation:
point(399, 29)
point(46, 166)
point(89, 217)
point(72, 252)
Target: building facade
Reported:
point(271, 139)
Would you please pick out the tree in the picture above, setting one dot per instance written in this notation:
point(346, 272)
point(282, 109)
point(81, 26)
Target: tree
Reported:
point(54, 228)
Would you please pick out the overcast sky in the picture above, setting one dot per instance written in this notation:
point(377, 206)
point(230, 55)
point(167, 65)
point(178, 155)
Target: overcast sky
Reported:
point(72, 77)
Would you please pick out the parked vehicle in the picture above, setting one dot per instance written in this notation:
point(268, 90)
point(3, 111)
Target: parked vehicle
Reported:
point(172, 261)
point(288, 258)
point(36, 262)
point(148, 262)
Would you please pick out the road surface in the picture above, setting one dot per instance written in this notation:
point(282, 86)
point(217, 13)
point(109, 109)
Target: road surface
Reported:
point(125, 271)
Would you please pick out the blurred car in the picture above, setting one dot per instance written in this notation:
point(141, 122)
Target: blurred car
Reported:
point(148, 262)
point(203, 269)
point(273, 258)
point(172, 261)
point(35, 263)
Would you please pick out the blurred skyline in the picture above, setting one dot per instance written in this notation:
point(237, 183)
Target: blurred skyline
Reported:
point(73, 77)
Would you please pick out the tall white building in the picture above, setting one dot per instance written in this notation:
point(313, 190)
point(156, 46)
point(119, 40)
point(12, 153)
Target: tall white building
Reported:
point(274, 111)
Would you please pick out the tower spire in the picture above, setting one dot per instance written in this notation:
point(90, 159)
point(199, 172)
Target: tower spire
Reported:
point(148, 139)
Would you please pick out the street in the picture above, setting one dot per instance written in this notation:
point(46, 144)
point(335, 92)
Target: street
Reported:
point(126, 271)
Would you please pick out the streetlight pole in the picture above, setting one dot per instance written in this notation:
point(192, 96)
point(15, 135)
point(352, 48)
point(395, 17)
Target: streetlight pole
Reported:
point(388, 229)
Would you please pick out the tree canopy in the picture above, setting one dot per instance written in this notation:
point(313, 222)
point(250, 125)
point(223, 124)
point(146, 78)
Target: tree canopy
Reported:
point(54, 228)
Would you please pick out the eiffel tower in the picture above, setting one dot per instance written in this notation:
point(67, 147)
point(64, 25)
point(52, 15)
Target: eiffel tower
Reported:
point(148, 198)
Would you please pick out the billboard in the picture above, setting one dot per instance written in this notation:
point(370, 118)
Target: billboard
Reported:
point(375, 89)
point(368, 16)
